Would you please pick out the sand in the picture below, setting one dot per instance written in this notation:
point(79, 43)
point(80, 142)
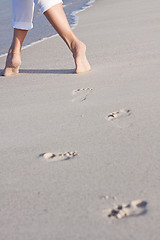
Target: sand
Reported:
point(118, 159)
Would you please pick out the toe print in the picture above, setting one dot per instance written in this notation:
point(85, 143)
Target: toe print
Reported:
point(52, 157)
point(81, 94)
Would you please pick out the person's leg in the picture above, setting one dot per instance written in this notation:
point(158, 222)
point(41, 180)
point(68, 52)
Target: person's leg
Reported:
point(22, 22)
point(58, 20)
point(13, 60)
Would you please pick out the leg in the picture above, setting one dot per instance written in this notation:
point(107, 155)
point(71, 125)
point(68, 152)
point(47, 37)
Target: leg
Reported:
point(58, 20)
point(13, 61)
point(22, 22)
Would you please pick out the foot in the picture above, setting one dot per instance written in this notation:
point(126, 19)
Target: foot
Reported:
point(79, 54)
point(13, 63)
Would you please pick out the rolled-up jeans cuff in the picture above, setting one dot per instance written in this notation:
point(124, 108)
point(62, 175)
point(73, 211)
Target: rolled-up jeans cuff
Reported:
point(49, 4)
point(22, 25)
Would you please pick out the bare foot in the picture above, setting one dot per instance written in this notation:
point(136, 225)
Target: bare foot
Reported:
point(79, 53)
point(13, 63)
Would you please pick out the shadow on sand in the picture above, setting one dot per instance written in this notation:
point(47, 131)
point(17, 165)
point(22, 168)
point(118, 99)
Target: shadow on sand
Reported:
point(47, 71)
point(44, 71)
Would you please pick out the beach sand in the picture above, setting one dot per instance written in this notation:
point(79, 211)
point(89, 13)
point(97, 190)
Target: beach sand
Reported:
point(118, 157)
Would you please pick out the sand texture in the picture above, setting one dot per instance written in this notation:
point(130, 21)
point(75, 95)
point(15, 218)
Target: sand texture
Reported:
point(109, 117)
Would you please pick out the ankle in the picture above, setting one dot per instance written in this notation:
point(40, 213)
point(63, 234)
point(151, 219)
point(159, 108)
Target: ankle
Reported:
point(14, 58)
point(77, 46)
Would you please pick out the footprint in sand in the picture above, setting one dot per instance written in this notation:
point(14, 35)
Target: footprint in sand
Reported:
point(52, 157)
point(134, 208)
point(81, 94)
point(122, 118)
point(106, 197)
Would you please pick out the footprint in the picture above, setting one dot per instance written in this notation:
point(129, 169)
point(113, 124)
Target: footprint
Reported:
point(122, 118)
point(51, 157)
point(106, 197)
point(134, 208)
point(81, 94)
